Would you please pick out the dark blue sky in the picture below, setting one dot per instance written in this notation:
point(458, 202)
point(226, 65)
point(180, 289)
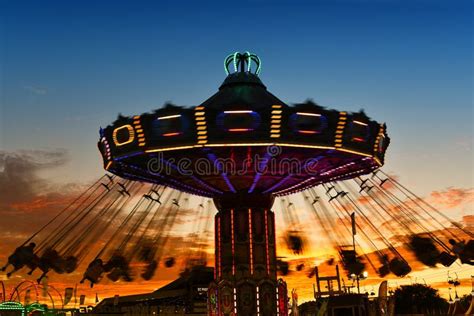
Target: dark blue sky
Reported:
point(68, 67)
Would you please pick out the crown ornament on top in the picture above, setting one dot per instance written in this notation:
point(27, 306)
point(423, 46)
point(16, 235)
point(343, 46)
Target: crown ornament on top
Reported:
point(242, 62)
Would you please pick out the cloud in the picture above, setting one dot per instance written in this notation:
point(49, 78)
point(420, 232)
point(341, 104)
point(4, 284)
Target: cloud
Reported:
point(19, 181)
point(452, 197)
point(36, 90)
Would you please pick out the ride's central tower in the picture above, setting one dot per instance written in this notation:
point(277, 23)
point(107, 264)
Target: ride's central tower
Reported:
point(245, 252)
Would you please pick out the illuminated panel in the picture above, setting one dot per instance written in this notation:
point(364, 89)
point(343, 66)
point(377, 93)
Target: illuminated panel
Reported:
point(201, 126)
point(267, 242)
point(360, 131)
point(275, 125)
point(340, 129)
point(308, 123)
point(123, 135)
point(139, 130)
point(232, 237)
point(250, 241)
point(168, 126)
point(239, 121)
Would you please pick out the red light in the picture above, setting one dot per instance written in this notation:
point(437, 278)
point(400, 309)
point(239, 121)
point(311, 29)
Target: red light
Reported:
point(358, 139)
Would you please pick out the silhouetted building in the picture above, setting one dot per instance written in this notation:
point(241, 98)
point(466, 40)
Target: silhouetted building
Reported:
point(186, 295)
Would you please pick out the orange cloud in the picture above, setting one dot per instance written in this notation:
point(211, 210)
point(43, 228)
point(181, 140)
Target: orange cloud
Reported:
point(453, 197)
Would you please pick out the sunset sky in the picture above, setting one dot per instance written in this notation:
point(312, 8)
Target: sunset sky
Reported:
point(68, 68)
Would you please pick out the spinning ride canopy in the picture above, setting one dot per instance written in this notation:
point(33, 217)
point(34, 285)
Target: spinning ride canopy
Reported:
point(252, 141)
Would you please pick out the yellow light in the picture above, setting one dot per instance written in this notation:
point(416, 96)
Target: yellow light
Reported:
point(200, 123)
point(275, 126)
point(168, 149)
point(201, 128)
point(275, 121)
point(138, 126)
point(199, 108)
point(136, 117)
point(131, 135)
point(274, 131)
point(275, 135)
point(108, 165)
point(139, 130)
point(200, 118)
point(202, 133)
point(276, 117)
point(276, 106)
point(276, 111)
point(355, 152)
point(377, 160)
point(200, 113)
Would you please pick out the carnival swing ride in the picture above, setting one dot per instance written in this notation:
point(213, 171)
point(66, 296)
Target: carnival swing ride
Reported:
point(243, 148)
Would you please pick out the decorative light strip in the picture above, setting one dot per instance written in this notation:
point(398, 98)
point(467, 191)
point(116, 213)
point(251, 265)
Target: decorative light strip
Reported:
point(250, 241)
point(232, 237)
point(235, 301)
point(219, 267)
point(340, 129)
point(171, 134)
point(337, 168)
point(355, 152)
point(377, 140)
point(108, 165)
point(107, 147)
point(307, 132)
point(308, 114)
point(276, 121)
point(360, 123)
point(267, 242)
point(168, 149)
point(168, 117)
point(238, 112)
point(277, 301)
point(139, 130)
point(240, 129)
point(131, 135)
point(200, 117)
point(258, 301)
